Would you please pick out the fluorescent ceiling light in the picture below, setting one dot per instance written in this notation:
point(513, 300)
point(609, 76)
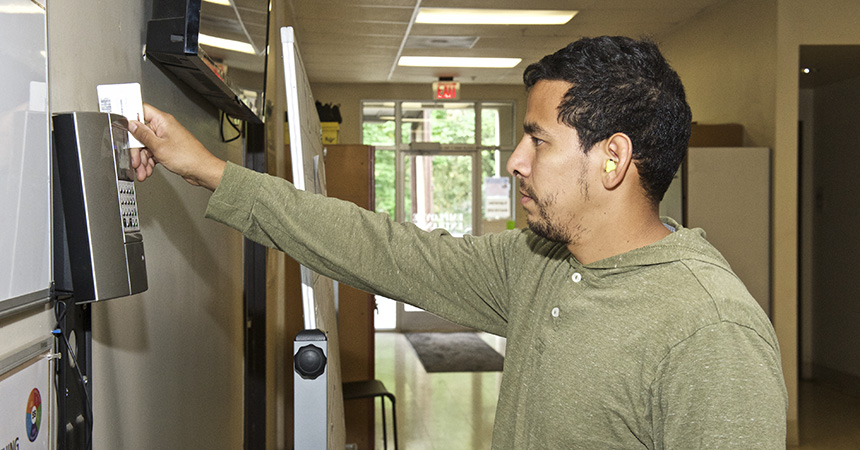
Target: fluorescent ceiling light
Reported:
point(468, 16)
point(227, 44)
point(452, 61)
point(22, 8)
point(219, 2)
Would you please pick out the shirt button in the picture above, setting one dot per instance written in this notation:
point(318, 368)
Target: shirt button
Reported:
point(555, 312)
point(576, 277)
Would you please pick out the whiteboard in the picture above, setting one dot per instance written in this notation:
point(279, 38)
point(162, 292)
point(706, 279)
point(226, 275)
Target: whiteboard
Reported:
point(25, 170)
point(306, 152)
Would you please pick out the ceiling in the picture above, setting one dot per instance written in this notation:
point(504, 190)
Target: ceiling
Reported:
point(359, 41)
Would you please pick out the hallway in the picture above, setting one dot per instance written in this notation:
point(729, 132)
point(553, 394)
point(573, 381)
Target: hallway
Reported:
point(454, 411)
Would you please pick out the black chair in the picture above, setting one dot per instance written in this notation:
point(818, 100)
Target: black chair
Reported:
point(372, 389)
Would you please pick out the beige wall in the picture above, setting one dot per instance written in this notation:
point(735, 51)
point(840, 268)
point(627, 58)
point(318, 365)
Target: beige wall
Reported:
point(726, 59)
point(167, 363)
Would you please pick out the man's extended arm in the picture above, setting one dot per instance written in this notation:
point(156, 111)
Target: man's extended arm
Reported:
point(462, 279)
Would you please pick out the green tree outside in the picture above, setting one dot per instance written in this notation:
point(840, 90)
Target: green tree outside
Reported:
point(452, 175)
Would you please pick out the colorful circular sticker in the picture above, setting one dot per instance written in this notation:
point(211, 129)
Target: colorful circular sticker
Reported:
point(34, 414)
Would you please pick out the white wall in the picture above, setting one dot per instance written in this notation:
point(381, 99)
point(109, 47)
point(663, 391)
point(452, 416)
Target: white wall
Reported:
point(167, 363)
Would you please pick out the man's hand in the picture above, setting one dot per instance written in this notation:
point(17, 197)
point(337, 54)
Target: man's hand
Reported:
point(168, 143)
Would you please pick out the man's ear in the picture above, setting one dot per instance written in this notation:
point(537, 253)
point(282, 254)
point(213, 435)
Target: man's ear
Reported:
point(617, 158)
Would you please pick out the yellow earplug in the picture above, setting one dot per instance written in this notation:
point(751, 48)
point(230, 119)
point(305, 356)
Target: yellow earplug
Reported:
point(610, 165)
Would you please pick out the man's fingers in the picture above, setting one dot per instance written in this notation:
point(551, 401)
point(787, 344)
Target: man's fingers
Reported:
point(140, 171)
point(135, 157)
point(142, 162)
point(142, 133)
point(150, 158)
point(149, 112)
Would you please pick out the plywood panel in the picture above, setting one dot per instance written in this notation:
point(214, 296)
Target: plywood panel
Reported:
point(349, 176)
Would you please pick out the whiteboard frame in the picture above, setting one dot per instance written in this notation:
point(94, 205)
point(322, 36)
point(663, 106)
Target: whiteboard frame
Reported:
point(293, 69)
point(28, 261)
point(318, 299)
point(14, 305)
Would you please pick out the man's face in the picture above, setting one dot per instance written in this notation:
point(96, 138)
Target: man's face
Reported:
point(552, 169)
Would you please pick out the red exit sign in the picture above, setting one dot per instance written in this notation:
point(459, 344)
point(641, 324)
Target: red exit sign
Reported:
point(446, 90)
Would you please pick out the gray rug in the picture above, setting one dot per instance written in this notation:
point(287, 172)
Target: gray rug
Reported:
point(455, 352)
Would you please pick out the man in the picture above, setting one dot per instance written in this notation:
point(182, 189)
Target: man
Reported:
point(623, 331)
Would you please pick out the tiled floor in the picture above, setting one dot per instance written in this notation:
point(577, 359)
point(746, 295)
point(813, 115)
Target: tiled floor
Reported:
point(829, 420)
point(438, 411)
point(454, 411)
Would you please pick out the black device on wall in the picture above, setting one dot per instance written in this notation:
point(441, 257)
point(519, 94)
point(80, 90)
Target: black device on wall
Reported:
point(231, 80)
point(98, 251)
point(105, 244)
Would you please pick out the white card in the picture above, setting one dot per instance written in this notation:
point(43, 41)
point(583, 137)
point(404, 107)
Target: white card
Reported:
point(124, 99)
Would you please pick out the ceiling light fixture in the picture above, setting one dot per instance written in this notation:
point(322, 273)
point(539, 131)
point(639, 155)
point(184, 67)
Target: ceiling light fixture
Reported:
point(22, 8)
point(219, 2)
point(226, 44)
point(453, 61)
point(469, 16)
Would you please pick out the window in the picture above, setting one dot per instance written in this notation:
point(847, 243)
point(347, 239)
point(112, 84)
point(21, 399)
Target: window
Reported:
point(428, 130)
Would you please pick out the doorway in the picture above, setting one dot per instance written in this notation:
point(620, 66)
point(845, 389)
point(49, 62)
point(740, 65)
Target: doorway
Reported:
point(829, 209)
point(439, 165)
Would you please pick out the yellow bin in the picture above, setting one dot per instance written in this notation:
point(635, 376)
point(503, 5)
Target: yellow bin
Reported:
point(329, 132)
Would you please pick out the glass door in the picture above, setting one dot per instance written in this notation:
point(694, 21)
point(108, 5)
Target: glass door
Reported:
point(439, 165)
point(440, 195)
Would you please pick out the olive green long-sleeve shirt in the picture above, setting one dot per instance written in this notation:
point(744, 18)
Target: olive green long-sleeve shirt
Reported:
point(661, 347)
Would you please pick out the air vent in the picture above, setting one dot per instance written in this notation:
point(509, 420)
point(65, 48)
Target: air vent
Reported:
point(441, 41)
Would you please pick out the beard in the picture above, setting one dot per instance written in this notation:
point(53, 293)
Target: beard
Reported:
point(543, 225)
point(551, 227)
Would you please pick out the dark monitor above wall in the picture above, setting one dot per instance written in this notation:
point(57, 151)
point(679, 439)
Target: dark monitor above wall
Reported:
point(187, 38)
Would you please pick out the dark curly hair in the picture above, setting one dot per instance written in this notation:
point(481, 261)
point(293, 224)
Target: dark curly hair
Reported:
point(623, 85)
